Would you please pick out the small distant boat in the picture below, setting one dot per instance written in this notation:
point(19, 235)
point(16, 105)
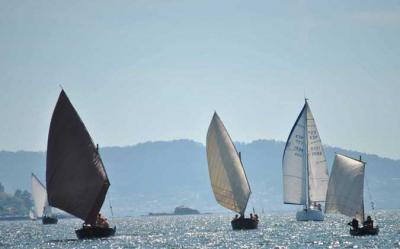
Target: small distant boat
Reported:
point(228, 179)
point(75, 175)
point(305, 171)
point(42, 209)
point(346, 193)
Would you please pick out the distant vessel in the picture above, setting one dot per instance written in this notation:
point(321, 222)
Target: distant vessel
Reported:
point(346, 193)
point(228, 179)
point(42, 209)
point(76, 179)
point(305, 171)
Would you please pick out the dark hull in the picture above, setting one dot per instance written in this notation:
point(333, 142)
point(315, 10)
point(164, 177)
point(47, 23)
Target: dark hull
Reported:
point(364, 231)
point(94, 232)
point(49, 220)
point(245, 223)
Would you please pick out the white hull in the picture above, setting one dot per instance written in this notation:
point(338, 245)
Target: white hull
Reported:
point(309, 215)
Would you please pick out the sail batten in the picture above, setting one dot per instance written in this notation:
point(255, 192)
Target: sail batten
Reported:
point(345, 188)
point(76, 179)
point(228, 179)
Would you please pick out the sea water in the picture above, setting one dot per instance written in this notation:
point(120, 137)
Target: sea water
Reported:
point(277, 230)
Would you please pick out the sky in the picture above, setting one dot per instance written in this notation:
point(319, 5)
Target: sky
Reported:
point(140, 71)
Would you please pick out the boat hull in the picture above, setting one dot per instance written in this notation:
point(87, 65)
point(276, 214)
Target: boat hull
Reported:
point(46, 220)
point(244, 224)
point(95, 232)
point(309, 215)
point(363, 231)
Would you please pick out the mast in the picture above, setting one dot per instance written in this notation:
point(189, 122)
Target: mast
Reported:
point(362, 207)
point(306, 155)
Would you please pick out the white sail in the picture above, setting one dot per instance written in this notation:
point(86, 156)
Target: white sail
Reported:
point(294, 163)
point(32, 215)
point(39, 195)
point(305, 171)
point(228, 179)
point(345, 188)
point(317, 166)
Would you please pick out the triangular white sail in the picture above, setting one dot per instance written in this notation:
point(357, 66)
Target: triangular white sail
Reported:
point(39, 195)
point(345, 188)
point(305, 172)
point(317, 167)
point(228, 179)
point(32, 216)
point(294, 163)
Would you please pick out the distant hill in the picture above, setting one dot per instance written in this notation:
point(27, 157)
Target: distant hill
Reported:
point(158, 176)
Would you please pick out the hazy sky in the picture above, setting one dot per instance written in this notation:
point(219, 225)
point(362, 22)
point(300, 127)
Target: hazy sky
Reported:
point(156, 70)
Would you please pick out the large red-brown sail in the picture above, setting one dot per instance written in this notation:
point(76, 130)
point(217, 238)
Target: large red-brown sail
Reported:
point(75, 176)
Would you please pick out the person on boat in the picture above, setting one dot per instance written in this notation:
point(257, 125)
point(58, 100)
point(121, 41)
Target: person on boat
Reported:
point(319, 207)
point(236, 217)
point(256, 217)
point(251, 216)
point(354, 223)
point(369, 223)
point(102, 221)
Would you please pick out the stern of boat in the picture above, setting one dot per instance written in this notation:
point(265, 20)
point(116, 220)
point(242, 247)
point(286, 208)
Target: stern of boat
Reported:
point(309, 215)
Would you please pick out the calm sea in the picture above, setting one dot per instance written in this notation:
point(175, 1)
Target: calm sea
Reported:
point(278, 230)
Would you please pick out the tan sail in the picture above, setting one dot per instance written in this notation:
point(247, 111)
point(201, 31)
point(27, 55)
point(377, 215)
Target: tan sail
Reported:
point(75, 176)
point(345, 188)
point(228, 179)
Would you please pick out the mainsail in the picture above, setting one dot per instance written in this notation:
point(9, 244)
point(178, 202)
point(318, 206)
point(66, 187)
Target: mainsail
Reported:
point(345, 188)
point(305, 171)
point(228, 179)
point(39, 195)
point(76, 179)
point(294, 163)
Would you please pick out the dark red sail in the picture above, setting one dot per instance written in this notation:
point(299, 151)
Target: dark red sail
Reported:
point(75, 176)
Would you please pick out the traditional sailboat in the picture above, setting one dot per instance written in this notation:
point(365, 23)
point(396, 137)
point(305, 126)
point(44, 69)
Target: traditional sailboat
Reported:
point(75, 175)
point(346, 194)
point(305, 171)
point(228, 178)
point(41, 208)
